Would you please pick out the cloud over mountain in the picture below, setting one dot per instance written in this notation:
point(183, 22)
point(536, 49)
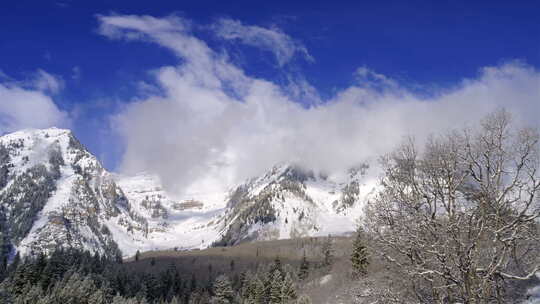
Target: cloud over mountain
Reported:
point(213, 124)
point(28, 104)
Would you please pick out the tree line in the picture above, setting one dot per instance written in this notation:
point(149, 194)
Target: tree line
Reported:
point(73, 276)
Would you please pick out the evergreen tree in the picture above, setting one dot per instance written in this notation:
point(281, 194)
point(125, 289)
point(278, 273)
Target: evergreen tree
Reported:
point(303, 299)
point(205, 297)
point(276, 285)
point(247, 290)
point(193, 283)
point(304, 268)
point(55, 269)
point(328, 252)
point(15, 263)
point(223, 292)
point(359, 256)
point(77, 277)
point(20, 279)
point(118, 299)
point(210, 272)
point(3, 265)
point(194, 298)
point(288, 290)
point(98, 297)
point(40, 264)
point(276, 266)
point(245, 284)
point(96, 264)
point(153, 286)
point(257, 291)
point(142, 294)
point(143, 301)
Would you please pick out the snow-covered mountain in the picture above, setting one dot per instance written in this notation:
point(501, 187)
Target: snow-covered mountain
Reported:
point(184, 222)
point(286, 202)
point(289, 202)
point(54, 193)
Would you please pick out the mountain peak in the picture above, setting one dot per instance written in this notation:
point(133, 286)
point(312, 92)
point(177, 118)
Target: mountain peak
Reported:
point(48, 132)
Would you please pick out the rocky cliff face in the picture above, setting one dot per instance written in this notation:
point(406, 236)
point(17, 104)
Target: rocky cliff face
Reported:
point(54, 193)
point(289, 202)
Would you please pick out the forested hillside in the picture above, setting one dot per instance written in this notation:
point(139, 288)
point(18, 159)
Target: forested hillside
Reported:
point(244, 274)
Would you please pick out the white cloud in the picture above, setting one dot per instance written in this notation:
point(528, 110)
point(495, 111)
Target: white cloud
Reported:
point(301, 90)
point(367, 77)
point(274, 40)
point(46, 82)
point(213, 124)
point(22, 107)
point(202, 66)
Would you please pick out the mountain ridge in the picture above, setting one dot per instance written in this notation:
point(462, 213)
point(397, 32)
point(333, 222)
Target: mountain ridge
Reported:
point(80, 204)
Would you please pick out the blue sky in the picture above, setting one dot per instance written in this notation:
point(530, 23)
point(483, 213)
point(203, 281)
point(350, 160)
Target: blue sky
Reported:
point(416, 48)
point(421, 41)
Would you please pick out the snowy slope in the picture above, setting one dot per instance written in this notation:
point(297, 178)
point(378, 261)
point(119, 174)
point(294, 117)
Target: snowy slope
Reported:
point(173, 222)
point(285, 202)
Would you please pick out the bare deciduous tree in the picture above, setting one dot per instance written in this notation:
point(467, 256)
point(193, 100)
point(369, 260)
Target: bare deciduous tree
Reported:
point(459, 219)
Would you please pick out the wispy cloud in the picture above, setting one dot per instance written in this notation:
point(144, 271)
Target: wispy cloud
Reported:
point(367, 77)
point(274, 40)
point(46, 82)
point(28, 104)
point(203, 67)
point(212, 124)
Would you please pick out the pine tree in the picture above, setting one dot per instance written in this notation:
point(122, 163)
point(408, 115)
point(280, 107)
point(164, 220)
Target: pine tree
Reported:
point(98, 297)
point(223, 292)
point(142, 294)
point(41, 263)
point(303, 299)
point(118, 299)
point(20, 278)
point(205, 297)
point(33, 294)
point(276, 266)
point(3, 266)
point(210, 271)
point(276, 284)
point(193, 283)
point(304, 268)
point(328, 252)
point(257, 293)
point(359, 257)
point(288, 290)
point(247, 291)
point(143, 301)
point(15, 263)
point(153, 287)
